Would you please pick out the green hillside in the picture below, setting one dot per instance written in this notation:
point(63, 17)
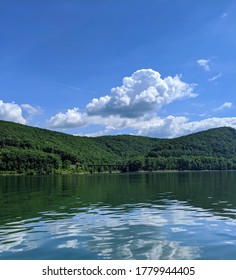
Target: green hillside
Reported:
point(213, 149)
point(30, 150)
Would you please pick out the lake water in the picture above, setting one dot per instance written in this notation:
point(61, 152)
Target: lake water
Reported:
point(178, 215)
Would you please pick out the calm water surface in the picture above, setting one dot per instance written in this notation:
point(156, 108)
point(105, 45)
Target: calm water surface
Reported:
point(189, 215)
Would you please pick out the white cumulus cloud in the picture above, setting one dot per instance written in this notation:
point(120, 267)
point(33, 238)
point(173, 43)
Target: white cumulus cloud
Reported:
point(172, 126)
point(204, 63)
point(142, 93)
point(11, 112)
point(204, 124)
point(154, 126)
point(134, 107)
point(72, 118)
point(169, 126)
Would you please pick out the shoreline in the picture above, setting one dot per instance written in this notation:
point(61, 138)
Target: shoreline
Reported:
point(97, 173)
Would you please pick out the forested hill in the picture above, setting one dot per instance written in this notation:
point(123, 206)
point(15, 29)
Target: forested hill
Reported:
point(30, 150)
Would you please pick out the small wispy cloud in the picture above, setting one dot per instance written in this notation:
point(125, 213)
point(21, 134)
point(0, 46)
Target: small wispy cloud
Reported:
point(204, 63)
point(215, 77)
point(224, 15)
point(31, 111)
point(68, 86)
point(71, 87)
point(226, 105)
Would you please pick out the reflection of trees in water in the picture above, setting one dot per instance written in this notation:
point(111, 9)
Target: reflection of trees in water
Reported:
point(118, 216)
point(27, 197)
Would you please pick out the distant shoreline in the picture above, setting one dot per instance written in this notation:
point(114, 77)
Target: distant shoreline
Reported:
point(97, 173)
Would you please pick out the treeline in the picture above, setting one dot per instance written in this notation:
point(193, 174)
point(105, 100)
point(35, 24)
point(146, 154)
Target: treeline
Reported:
point(30, 150)
point(183, 163)
point(28, 161)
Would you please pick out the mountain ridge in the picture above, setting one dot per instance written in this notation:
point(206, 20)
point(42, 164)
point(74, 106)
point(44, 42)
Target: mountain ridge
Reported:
point(31, 150)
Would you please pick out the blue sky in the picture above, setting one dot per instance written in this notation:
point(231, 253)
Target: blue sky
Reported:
point(160, 68)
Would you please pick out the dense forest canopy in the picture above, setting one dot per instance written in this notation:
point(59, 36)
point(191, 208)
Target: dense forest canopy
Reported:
point(31, 150)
